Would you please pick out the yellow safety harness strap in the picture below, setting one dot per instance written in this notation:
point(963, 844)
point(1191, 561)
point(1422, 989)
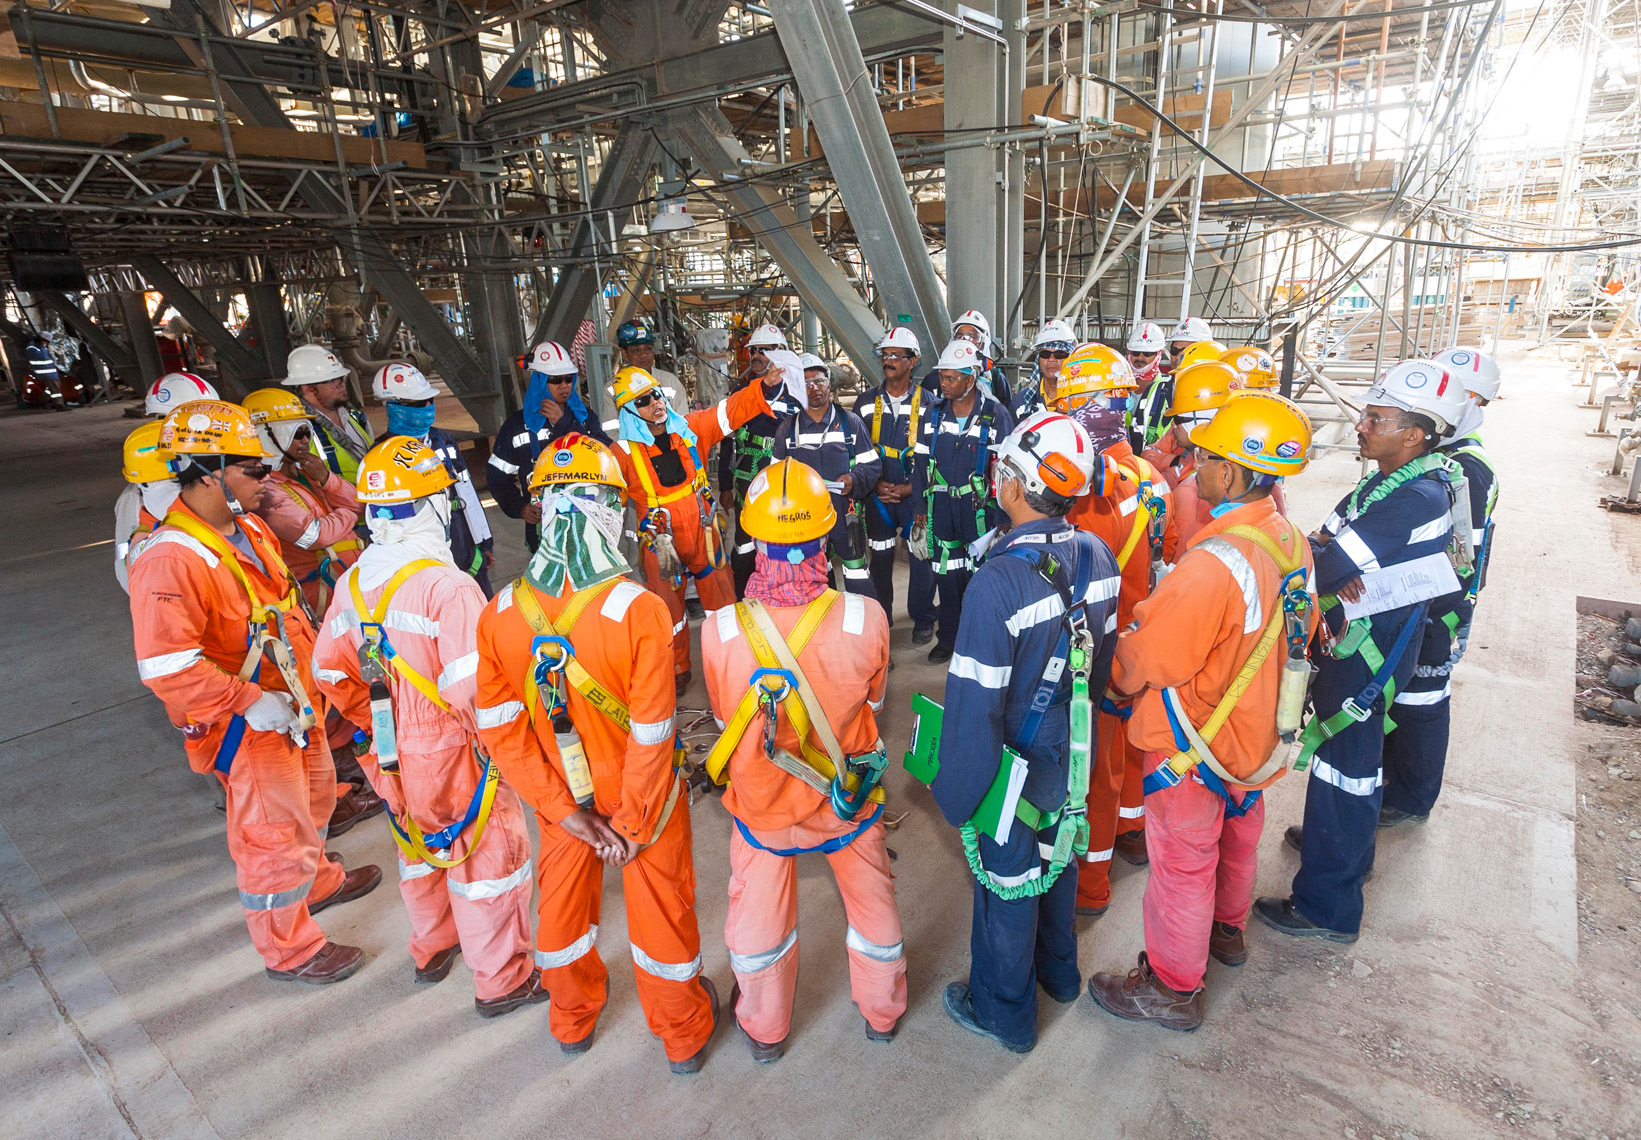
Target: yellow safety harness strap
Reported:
point(413, 843)
point(588, 686)
point(220, 547)
point(641, 463)
point(426, 687)
point(1181, 763)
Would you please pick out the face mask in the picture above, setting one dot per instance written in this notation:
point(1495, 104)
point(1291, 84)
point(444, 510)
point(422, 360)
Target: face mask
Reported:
point(405, 419)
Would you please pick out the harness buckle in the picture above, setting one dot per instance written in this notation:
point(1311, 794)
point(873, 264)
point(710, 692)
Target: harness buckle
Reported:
point(761, 678)
point(1355, 711)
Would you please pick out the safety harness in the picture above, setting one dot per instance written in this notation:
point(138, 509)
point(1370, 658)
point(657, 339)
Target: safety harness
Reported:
point(266, 635)
point(1003, 803)
point(1150, 515)
point(902, 454)
point(1471, 446)
point(554, 663)
point(974, 485)
point(377, 661)
point(778, 684)
point(331, 557)
point(1195, 755)
point(331, 447)
point(854, 524)
point(650, 524)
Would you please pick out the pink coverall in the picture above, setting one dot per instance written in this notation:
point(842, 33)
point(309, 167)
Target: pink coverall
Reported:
point(483, 903)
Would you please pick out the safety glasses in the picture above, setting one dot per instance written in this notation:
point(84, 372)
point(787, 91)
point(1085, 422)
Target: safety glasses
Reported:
point(886, 357)
point(645, 400)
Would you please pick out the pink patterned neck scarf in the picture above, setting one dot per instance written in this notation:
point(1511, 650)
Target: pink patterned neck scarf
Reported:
point(788, 584)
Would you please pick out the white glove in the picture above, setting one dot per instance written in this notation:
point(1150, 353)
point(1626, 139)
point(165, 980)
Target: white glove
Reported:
point(666, 555)
point(917, 542)
point(272, 712)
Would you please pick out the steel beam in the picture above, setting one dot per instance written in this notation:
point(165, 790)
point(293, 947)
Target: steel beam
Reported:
point(88, 330)
point(831, 73)
point(235, 362)
point(268, 324)
point(139, 329)
point(763, 210)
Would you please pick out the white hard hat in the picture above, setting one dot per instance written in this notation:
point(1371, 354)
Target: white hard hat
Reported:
point(976, 318)
point(1051, 454)
point(1055, 332)
point(1192, 329)
point(901, 337)
point(176, 388)
point(312, 364)
point(551, 358)
point(810, 360)
point(1425, 387)
point(1478, 372)
point(1147, 337)
point(959, 356)
point(766, 336)
point(401, 381)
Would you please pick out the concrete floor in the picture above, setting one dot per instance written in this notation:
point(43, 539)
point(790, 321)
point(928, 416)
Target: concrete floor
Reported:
point(131, 1002)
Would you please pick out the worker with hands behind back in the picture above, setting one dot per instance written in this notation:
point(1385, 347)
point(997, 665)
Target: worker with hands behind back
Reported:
point(396, 652)
point(1204, 663)
point(222, 640)
point(575, 705)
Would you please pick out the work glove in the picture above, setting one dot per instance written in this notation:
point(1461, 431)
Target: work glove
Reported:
point(917, 542)
point(666, 555)
point(272, 712)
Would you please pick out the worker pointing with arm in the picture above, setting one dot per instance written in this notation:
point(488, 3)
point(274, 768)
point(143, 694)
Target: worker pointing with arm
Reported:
point(1011, 764)
point(1204, 663)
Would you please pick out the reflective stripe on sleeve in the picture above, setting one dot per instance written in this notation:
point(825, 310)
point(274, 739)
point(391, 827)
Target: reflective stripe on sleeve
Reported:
point(309, 535)
point(1430, 531)
point(652, 732)
point(331, 676)
point(1131, 813)
point(1357, 550)
point(554, 959)
point(723, 418)
point(753, 963)
point(502, 465)
point(166, 664)
point(990, 676)
point(497, 715)
point(1253, 614)
point(460, 669)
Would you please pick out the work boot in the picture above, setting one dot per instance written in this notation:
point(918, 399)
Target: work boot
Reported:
point(763, 1054)
point(1092, 911)
point(939, 655)
point(530, 992)
point(693, 609)
point(1141, 996)
point(1295, 837)
point(1063, 999)
point(333, 963)
point(348, 769)
point(1226, 944)
point(883, 1034)
point(438, 966)
point(922, 636)
point(356, 884)
point(960, 1008)
point(575, 1048)
point(1131, 846)
point(692, 1064)
point(1390, 817)
point(680, 682)
point(1279, 914)
point(353, 808)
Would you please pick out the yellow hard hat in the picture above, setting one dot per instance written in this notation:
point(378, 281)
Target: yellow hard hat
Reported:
point(1255, 364)
point(145, 460)
point(631, 383)
point(400, 469)
point(269, 405)
point(1089, 369)
point(1200, 351)
point(787, 503)
point(577, 458)
point(211, 427)
point(1260, 431)
point(1202, 387)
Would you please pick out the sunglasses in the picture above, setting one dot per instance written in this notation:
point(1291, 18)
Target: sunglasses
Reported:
point(555, 381)
point(646, 399)
point(256, 471)
point(1052, 354)
point(415, 403)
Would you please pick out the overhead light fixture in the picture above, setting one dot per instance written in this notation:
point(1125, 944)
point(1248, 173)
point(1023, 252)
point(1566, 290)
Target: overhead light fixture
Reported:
point(673, 217)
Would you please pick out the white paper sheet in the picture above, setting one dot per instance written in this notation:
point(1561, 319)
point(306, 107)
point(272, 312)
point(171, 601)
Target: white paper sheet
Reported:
point(1404, 585)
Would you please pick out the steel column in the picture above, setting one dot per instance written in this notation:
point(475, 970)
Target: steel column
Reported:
point(115, 354)
point(236, 363)
point(139, 330)
point(268, 324)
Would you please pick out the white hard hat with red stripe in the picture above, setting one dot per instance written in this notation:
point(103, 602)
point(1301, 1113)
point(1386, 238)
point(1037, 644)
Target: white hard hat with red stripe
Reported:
point(312, 364)
point(960, 356)
point(903, 338)
point(1147, 337)
point(173, 389)
point(766, 336)
point(976, 318)
point(550, 357)
point(401, 381)
point(1191, 329)
point(1478, 372)
point(1424, 387)
point(1051, 454)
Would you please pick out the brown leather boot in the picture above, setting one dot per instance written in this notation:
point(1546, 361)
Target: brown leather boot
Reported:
point(1131, 846)
point(764, 1053)
point(438, 966)
point(355, 807)
point(1142, 997)
point(680, 682)
point(693, 1063)
point(333, 963)
point(356, 884)
point(1226, 944)
point(530, 992)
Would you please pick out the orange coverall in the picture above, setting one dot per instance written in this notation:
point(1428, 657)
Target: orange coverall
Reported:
point(484, 902)
point(1190, 512)
point(847, 664)
point(1116, 801)
point(312, 525)
point(191, 623)
point(698, 545)
point(622, 639)
point(1194, 634)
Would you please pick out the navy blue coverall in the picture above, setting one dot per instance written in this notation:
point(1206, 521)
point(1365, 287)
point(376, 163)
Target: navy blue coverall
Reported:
point(837, 445)
point(888, 523)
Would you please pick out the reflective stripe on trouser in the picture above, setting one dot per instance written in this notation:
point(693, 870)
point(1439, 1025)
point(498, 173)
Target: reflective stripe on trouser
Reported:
point(1342, 797)
point(1107, 785)
point(761, 928)
point(1201, 872)
point(1416, 749)
point(884, 540)
point(659, 890)
point(484, 904)
point(278, 799)
point(1014, 944)
point(716, 590)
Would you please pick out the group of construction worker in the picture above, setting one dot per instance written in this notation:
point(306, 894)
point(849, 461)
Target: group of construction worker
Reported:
point(1130, 625)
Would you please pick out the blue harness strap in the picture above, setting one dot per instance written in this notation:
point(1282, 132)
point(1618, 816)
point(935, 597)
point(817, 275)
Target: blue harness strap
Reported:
point(830, 847)
point(1043, 698)
point(235, 736)
point(442, 839)
point(1203, 773)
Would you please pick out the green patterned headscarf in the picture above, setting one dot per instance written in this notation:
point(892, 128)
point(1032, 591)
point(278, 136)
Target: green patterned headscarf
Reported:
point(580, 538)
